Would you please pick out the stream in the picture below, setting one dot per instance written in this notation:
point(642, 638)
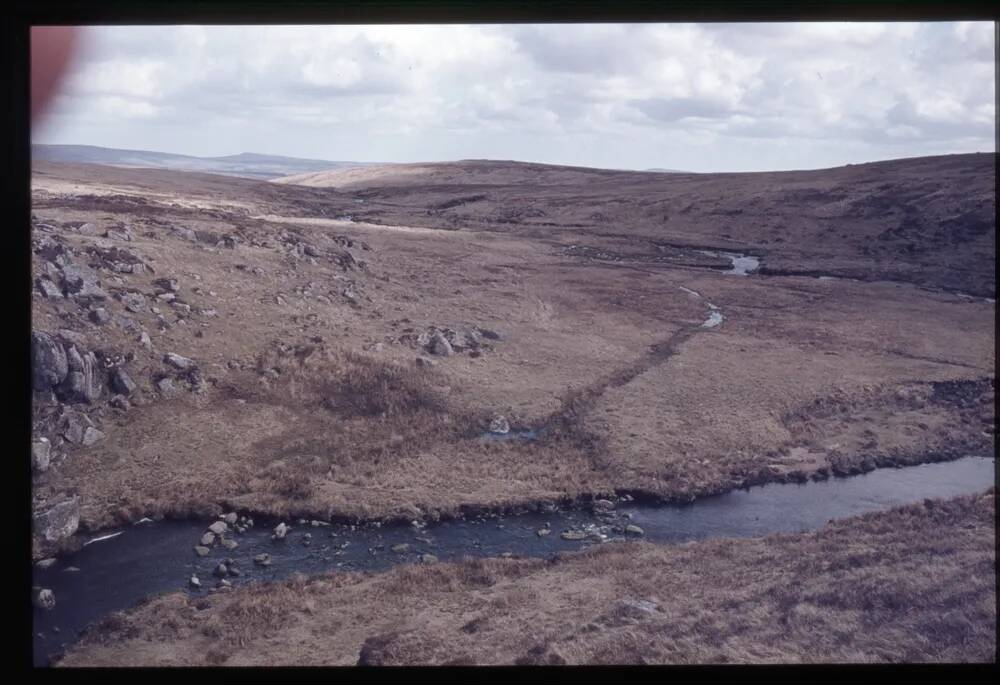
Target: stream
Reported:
point(119, 568)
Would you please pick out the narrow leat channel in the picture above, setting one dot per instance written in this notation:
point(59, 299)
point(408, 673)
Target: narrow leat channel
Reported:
point(124, 566)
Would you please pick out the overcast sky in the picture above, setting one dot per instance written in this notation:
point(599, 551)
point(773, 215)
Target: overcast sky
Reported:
point(697, 97)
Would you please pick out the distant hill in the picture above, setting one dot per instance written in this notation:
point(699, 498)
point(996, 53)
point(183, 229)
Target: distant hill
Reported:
point(246, 164)
point(462, 172)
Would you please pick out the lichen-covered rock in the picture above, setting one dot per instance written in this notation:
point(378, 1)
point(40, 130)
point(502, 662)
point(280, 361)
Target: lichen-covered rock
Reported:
point(56, 524)
point(49, 363)
point(84, 382)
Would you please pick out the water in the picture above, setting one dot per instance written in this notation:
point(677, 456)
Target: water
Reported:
point(742, 264)
point(124, 566)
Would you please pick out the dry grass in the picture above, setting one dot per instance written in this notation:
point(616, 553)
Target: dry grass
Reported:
point(915, 584)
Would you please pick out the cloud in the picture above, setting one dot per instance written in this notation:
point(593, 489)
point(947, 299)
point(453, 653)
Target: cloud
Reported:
point(630, 95)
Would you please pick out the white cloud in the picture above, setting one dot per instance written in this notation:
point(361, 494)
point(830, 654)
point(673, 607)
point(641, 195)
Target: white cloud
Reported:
point(669, 95)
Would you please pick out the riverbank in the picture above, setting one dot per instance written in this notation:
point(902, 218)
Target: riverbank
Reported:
point(914, 584)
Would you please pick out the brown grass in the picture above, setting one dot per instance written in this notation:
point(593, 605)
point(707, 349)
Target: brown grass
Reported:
point(914, 584)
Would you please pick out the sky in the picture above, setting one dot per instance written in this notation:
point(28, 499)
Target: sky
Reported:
point(692, 97)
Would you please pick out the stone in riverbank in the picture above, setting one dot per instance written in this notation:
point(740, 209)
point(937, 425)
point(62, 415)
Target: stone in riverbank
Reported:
point(201, 550)
point(56, 524)
point(44, 599)
point(219, 527)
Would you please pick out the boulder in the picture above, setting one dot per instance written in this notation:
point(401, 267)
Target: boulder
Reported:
point(74, 426)
point(178, 362)
point(231, 518)
point(47, 288)
point(603, 505)
point(165, 386)
point(58, 522)
point(499, 425)
point(207, 539)
point(49, 363)
point(169, 285)
point(44, 599)
point(100, 316)
point(134, 302)
point(84, 382)
point(221, 571)
point(230, 544)
point(201, 550)
point(219, 527)
point(91, 435)
point(440, 346)
point(121, 382)
point(262, 559)
point(40, 454)
point(280, 531)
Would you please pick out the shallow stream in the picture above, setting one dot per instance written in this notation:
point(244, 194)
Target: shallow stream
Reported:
point(123, 566)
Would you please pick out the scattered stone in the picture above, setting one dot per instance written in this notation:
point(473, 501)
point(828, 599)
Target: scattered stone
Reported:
point(84, 381)
point(219, 527)
point(40, 454)
point(167, 284)
point(178, 362)
point(121, 382)
point(230, 544)
point(440, 346)
point(45, 563)
point(48, 288)
point(221, 571)
point(92, 435)
point(201, 550)
point(603, 505)
point(233, 570)
point(49, 363)
point(428, 559)
point(208, 538)
point(573, 535)
point(400, 548)
point(59, 522)
point(231, 518)
point(76, 425)
point(542, 532)
point(134, 302)
point(499, 425)
point(280, 531)
point(165, 386)
point(424, 361)
point(88, 229)
point(195, 583)
point(100, 316)
point(145, 341)
point(262, 559)
point(44, 599)
point(633, 529)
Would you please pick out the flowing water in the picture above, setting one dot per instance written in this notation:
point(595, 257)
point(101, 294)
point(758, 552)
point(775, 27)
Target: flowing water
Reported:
point(121, 567)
